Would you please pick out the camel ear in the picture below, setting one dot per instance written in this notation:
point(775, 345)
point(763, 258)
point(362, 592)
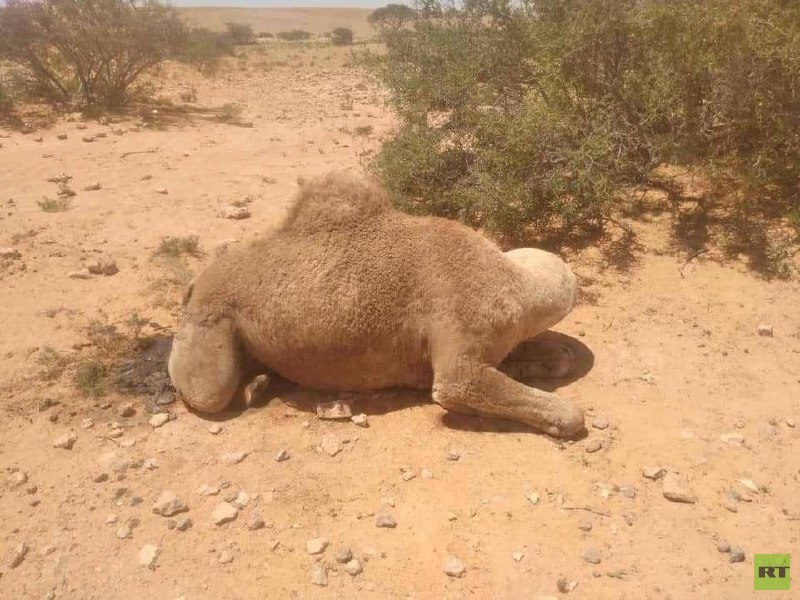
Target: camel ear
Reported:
point(187, 294)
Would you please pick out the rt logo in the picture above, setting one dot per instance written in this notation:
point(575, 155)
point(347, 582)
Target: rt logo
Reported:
point(771, 571)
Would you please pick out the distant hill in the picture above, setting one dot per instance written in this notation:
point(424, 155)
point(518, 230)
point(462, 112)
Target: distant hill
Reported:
point(275, 20)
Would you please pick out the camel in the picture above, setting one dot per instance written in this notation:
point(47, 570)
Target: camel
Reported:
point(349, 294)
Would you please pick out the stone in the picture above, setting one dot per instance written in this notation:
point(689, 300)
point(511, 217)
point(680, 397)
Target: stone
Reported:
point(158, 420)
point(600, 423)
point(452, 454)
point(628, 491)
point(281, 456)
point(736, 555)
point(517, 556)
point(10, 253)
point(385, 520)
point(408, 474)
point(334, 410)
point(234, 458)
point(66, 441)
point(343, 555)
point(723, 546)
point(184, 524)
point(214, 428)
point(585, 525)
point(454, 567)
point(18, 478)
point(533, 498)
point(594, 445)
point(653, 472)
point(207, 490)
point(162, 190)
point(360, 420)
point(316, 545)
point(765, 330)
point(223, 513)
point(734, 439)
point(61, 136)
point(592, 556)
point(226, 557)
point(242, 499)
point(80, 274)
point(111, 519)
point(750, 485)
point(123, 531)
point(319, 575)
point(565, 586)
point(127, 410)
point(676, 489)
point(93, 187)
point(148, 556)
point(168, 504)
point(17, 555)
point(254, 521)
point(790, 422)
point(330, 444)
point(236, 213)
point(353, 567)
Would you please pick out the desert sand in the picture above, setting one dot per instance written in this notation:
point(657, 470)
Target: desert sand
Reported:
point(683, 386)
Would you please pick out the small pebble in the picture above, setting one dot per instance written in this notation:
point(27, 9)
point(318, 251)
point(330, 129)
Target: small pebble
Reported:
point(734, 439)
point(628, 491)
point(353, 567)
point(168, 504)
point(453, 454)
point(127, 410)
point(750, 485)
point(17, 555)
point(594, 445)
point(66, 441)
point(214, 428)
point(234, 458)
point(676, 489)
point(600, 423)
point(385, 520)
point(18, 478)
point(87, 423)
point(360, 420)
point(282, 455)
point(585, 525)
point(653, 472)
point(454, 567)
point(316, 545)
point(123, 531)
point(592, 556)
point(319, 575)
point(184, 524)
point(148, 556)
point(765, 330)
point(159, 419)
point(207, 490)
point(723, 546)
point(330, 444)
point(426, 474)
point(343, 555)
point(737, 555)
point(254, 521)
point(408, 474)
point(223, 513)
point(565, 586)
point(517, 556)
point(226, 557)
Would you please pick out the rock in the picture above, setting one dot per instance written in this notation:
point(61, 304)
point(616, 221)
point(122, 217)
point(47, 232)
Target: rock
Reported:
point(343, 555)
point(454, 567)
point(162, 190)
point(9, 253)
point(453, 454)
point(594, 445)
point(159, 419)
point(61, 136)
point(223, 513)
point(764, 331)
point(184, 524)
point(319, 575)
point(790, 422)
point(565, 586)
point(676, 488)
point(334, 410)
point(451, 516)
point(127, 410)
point(408, 474)
point(148, 556)
point(80, 274)
point(168, 504)
point(281, 456)
point(600, 423)
point(111, 519)
point(17, 555)
point(735, 439)
point(208, 490)
point(88, 138)
point(628, 491)
point(242, 499)
point(104, 267)
point(87, 423)
point(723, 546)
point(226, 557)
point(533, 498)
point(360, 420)
point(330, 444)
point(234, 458)
point(18, 478)
point(353, 567)
point(93, 187)
point(585, 525)
point(165, 397)
point(254, 521)
point(66, 441)
point(592, 556)
point(385, 520)
point(750, 485)
point(653, 472)
point(736, 555)
point(64, 191)
point(316, 545)
point(123, 531)
point(517, 556)
point(214, 429)
point(236, 213)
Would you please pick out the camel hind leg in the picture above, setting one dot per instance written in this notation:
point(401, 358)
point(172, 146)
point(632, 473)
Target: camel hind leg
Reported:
point(206, 364)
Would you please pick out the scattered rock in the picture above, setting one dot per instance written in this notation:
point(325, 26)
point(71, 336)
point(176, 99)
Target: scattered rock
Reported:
point(214, 428)
point(517, 556)
point(234, 458)
point(9, 253)
point(184, 524)
point(453, 454)
point(159, 419)
point(735, 439)
point(148, 556)
point(353, 567)
point(454, 567)
point(750, 485)
point(334, 410)
point(736, 555)
point(628, 491)
point(585, 525)
point(162, 190)
point(790, 422)
point(242, 499)
point(106, 267)
point(723, 546)
point(592, 556)
point(168, 504)
point(408, 474)
point(653, 472)
point(565, 586)
point(93, 187)
point(316, 545)
point(17, 555)
point(330, 444)
point(385, 520)
point(127, 410)
point(226, 557)
point(88, 138)
point(64, 191)
point(236, 213)
point(319, 575)
point(254, 521)
point(62, 136)
point(343, 555)
point(676, 488)
point(594, 445)
point(600, 423)
point(533, 498)
point(18, 478)
point(208, 490)
point(360, 420)
point(282, 455)
point(80, 274)
point(66, 441)
point(765, 330)
point(123, 531)
point(223, 513)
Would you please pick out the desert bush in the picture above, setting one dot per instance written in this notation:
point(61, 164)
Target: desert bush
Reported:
point(392, 17)
point(176, 246)
point(521, 117)
point(204, 48)
point(89, 50)
point(295, 35)
point(53, 205)
point(266, 34)
point(239, 34)
point(341, 36)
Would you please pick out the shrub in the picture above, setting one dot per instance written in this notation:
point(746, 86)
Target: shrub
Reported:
point(239, 34)
point(341, 36)
point(392, 16)
point(295, 35)
point(203, 49)
point(266, 34)
point(518, 118)
point(175, 246)
point(53, 205)
point(92, 50)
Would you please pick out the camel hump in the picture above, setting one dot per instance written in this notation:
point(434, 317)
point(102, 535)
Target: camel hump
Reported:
point(334, 201)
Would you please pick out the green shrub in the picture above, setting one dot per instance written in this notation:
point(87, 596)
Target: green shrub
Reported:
point(204, 48)
point(176, 246)
point(341, 36)
point(295, 35)
point(392, 16)
point(239, 34)
point(53, 205)
point(523, 117)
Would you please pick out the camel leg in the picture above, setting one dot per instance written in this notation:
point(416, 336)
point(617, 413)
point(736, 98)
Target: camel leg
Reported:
point(539, 358)
point(474, 387)
point(206, 365)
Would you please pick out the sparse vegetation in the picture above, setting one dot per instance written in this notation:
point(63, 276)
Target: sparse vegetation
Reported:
point(239, 34)
point(204, 48)
point(266, 34)
point(522, 118)
point(392, 17)
point(363, 130)
point(178, 246)
point(341, 36)
point(230, 112)
point(52, 363)
point(89, 51)
point(295, 35)
point(92, 378)
point(53, 205)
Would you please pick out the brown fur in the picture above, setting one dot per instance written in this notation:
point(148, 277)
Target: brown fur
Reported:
point(349, 294)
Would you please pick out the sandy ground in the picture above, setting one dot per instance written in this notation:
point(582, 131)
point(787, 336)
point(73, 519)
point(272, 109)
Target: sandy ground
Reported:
point(678, 363)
